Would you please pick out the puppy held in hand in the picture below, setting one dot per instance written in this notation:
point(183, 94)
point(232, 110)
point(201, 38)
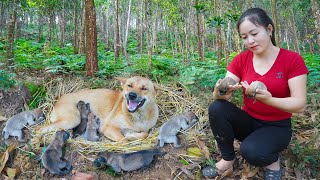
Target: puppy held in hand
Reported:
point(84, 110)
point(251, 90)
point(224, 85)
point(127, 161)
point(170, 129)
point(16, 123)
point(91, 133)
point(52, 157)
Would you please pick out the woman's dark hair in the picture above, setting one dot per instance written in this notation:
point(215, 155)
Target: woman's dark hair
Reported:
point(259, 17)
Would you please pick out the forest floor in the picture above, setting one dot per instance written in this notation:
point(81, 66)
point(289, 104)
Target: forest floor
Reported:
point(177, 163)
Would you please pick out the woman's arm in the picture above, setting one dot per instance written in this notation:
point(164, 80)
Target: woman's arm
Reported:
point(296, 103)
point(231, 89)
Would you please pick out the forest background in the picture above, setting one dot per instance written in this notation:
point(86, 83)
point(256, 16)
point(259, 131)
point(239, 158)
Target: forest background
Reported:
point(187, 42)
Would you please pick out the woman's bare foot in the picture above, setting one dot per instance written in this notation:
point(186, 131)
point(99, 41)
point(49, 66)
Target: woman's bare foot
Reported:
point(223, 165)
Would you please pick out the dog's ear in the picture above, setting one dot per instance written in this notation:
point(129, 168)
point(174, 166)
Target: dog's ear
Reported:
point(122, 80)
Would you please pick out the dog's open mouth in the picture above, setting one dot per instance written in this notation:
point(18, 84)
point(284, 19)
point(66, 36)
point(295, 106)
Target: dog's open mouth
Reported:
point(133, 105)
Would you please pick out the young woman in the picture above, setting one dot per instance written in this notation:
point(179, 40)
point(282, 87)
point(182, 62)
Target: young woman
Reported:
point(263, 125)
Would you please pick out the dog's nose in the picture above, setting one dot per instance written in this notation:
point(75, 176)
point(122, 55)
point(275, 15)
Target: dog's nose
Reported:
point(132, 95)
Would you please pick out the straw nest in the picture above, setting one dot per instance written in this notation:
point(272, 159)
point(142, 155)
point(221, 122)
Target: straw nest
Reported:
point(171, 99)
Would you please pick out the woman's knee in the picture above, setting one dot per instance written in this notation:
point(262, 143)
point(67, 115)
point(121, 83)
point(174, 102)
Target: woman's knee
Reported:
point(250, 152)
point(217, 106)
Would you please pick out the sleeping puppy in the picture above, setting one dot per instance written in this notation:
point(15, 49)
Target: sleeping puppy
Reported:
point(127, 161)
point(224, 85)
point(125, 115)
point(84, 110)
point(52, 157)
point(16, 123)
point(170, 129)
point(91, 133)
point(251, 90)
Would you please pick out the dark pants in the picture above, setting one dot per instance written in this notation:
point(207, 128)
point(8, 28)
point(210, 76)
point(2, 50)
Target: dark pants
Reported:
point(261, 140)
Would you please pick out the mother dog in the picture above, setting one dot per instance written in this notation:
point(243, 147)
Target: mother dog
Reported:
point(126, 115)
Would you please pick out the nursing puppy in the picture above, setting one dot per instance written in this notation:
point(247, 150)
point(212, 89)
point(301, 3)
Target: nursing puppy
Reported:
point(91, 132)
point(84, 110)
point(16, 123)
point(127, 161)
point(52, 157)
point(170, 129)
point(125, 115)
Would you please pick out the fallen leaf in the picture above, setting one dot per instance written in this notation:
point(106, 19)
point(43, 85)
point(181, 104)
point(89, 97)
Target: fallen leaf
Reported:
point(203, 147)
point(3, 118)
point(4, 156)
point(194, 151)
point(11, 172)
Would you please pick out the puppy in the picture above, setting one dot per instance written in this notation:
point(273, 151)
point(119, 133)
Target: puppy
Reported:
point(52, 157)
point(251, 90)
point(224, 85)
point(84, 110)
point(91, 133)
point(170, 129)
point(125, 115)
point(16, 123)
point(127, 161)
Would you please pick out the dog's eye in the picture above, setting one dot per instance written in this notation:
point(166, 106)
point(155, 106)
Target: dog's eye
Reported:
point(144, 89)
point(130, 85)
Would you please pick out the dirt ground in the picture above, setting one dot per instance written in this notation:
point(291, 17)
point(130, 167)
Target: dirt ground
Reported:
point(175, 164)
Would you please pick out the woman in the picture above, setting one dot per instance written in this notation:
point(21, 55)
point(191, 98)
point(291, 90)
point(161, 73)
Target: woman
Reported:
point(263, 125)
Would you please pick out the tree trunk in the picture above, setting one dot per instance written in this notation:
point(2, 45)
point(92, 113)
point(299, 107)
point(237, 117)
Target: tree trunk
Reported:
point(148, 30)
point(316, 13)
point(199, 34)
point(11, 32)
point(275, 20)
point(296, 42)
point(82, 40)
point(75, 21)
point(39, 28)
point(62, 25)
point(126, 33)
point(117, 33)
point(2, 20)
point(219, 44)
point(91, 39)
point(51, 24)
point(186, 31)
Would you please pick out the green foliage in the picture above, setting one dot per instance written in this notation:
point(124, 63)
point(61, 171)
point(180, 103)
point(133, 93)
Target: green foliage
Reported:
point(7, 79)
point(312, 62)
point(38, 93)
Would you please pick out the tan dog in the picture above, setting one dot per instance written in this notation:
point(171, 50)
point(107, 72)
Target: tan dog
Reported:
point(126, 115)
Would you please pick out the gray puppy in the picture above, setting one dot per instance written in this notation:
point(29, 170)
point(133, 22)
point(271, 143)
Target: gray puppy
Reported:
point(170, 129)
point(93, 124)
point(224, 85)
point(52, 157)
point(127, 161)
point(84, 109)
point(16, 123)
point(251, 90)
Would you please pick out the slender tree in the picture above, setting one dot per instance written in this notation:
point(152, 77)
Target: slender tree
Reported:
point(117, 33)
point(91, 39)
point(75, 22)
point(316, 13)
point(11, 33)
point(125, 51)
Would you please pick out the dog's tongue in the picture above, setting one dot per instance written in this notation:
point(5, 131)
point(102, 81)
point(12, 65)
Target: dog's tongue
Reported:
point(132, 105)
